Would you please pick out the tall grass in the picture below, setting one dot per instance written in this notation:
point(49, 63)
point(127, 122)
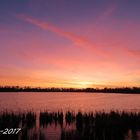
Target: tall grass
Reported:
point(84, 126)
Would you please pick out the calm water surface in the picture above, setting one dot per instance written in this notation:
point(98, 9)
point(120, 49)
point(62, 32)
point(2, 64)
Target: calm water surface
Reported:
point(76, 130)
point(69, 101)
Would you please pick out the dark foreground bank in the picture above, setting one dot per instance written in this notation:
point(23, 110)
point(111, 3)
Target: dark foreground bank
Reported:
point(70, 126)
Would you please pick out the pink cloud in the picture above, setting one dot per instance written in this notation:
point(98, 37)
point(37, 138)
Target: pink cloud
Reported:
point(76, 39)
point(134, 52)
point(50, 27)
point(106, 13)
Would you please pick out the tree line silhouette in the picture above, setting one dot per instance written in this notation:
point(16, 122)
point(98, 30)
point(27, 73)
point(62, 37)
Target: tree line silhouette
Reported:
point(128, 90)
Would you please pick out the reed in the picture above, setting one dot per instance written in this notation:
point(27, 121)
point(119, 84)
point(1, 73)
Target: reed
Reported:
point(114, 125)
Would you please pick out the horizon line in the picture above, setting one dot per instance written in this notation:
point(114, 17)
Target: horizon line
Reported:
point(32, 87)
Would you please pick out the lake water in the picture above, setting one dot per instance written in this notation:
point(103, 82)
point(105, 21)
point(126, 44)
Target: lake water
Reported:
point(48, 126)
point(69, 101)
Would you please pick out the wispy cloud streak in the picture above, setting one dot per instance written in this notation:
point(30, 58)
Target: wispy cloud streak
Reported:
point(75, 39)
point(134, 52)
point(50, 27)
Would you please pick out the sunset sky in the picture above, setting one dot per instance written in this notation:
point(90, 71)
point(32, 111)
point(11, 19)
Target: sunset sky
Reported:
point(70, 43)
